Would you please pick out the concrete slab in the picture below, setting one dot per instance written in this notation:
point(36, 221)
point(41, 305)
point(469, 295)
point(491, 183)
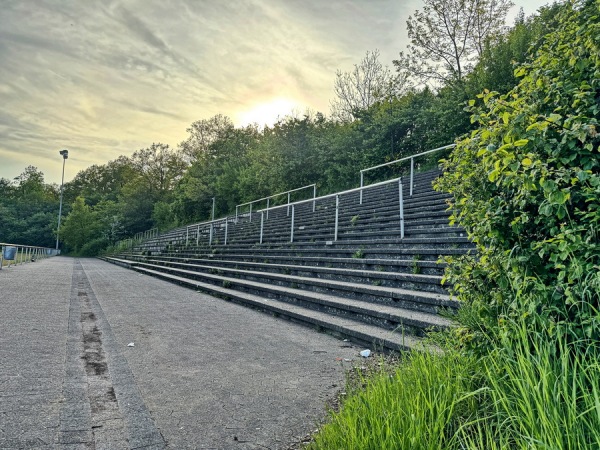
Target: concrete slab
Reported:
point(204, 373)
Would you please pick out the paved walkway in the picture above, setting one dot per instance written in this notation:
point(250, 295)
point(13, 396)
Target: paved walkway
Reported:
point(202, 372)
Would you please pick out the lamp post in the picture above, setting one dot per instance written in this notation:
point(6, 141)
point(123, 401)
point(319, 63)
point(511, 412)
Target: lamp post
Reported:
point(65, 155)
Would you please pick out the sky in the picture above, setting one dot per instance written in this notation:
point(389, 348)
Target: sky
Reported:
point(107, 78)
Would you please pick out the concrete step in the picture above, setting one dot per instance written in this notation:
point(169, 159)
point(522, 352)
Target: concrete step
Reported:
point(337, 251)
point(427, 302)
point(372, 336)
point(380, 265)
point(419, 282)
point(369, 277)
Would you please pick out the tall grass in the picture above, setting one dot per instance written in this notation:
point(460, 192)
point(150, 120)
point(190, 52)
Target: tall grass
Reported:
point(536, 390)
point(543, 392)
point(419, 406)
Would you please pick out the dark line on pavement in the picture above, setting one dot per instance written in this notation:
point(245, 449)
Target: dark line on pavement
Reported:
point(99, 386)
point(141, 429)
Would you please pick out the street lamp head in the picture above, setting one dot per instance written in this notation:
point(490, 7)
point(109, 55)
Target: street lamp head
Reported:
point(64, 153)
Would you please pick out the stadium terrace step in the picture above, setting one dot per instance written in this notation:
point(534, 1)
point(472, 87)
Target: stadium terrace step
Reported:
point(371, 285)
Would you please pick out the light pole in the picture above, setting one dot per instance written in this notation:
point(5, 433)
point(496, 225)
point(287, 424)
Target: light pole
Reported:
point(65, 155)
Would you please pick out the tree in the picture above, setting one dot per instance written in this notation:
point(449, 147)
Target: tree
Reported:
point(526, 185)
point(203, 133)
point(216, 172)
point(158, 167)
point(156, 171)
point(495, 69)
point(368, 83)
point(80, 226)
point(447, 36)
point(100, 182)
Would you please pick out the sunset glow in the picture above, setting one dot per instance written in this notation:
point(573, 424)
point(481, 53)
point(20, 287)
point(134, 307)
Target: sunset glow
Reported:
point(268, 113)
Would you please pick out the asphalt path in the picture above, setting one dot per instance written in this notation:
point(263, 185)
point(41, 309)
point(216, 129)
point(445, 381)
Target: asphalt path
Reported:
point(95, 356)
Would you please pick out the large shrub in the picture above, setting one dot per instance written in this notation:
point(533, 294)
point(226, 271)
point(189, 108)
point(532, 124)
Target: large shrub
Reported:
point(526, 186)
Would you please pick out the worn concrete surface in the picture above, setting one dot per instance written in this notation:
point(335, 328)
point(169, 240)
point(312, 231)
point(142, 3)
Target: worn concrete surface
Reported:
point(203, 373)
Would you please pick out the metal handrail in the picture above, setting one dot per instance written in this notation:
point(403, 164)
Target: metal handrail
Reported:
point(28, 253)
point(183, 233)
point(349, 191)
point(314, 186)
point(406, 158)
point(337, 206)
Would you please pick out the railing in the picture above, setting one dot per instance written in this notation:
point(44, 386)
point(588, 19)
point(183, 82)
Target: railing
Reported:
point(192, 232)
point(337, 207)
point(412, 166)
point(27, 253)
point(148, 234)
point(268, 199)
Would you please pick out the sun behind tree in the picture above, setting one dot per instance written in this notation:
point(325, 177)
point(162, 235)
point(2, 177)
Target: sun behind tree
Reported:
point(268, 113)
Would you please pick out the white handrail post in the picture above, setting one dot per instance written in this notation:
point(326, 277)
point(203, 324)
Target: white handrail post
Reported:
point(314, 196)
point(292, 226)
point(401, 201)
point(288, 203)
point(197, 235)
point(361, 185)
point(187, 236)
point(226, 222)
point(262, 220)
point(236, 214)
point(337, 209)
point(210, 236)
point(412, 170)
point(268, 209)
point(250, 212)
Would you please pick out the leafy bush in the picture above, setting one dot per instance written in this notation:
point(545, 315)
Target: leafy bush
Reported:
point(526, 186)
point(94, 247)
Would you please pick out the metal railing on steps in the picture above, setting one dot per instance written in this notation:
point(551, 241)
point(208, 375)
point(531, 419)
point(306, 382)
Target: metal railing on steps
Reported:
point(412, 166)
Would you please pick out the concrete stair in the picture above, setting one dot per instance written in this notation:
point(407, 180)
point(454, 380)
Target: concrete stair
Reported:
point(370, 285)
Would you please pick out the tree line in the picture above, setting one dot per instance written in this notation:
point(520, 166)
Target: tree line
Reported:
point(458, 49)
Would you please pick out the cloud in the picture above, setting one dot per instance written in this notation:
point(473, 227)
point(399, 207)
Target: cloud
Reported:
point(108, 78)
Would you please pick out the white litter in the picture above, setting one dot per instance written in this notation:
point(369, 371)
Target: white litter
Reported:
point(365, 353)
point(131, 344)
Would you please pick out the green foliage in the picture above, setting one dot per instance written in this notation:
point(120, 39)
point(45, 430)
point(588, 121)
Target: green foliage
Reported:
point(80, 226)
point(535, 389)
point(419, 406)
point(163, 216)
point(500, 56)
point(415, 267)
point(527, 187)
point(359, 254)
point(87, 230)
point(28, 209)
point(540, 390)
point(94, 247)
